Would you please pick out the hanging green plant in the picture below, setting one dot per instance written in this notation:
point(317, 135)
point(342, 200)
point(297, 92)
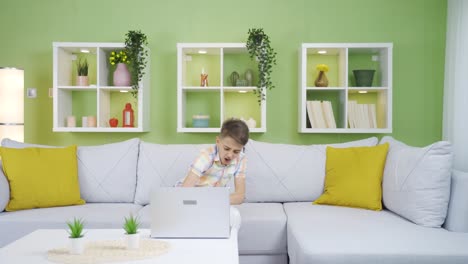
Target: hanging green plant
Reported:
point(135, 46)
point(258, 46)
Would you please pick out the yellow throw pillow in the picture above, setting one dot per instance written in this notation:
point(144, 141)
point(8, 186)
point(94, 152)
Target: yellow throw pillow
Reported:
point(41, 177)
point(354, 177)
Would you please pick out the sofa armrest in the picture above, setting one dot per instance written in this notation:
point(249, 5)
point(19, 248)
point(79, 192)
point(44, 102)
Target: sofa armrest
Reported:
point(457, 215)
point(4, 189)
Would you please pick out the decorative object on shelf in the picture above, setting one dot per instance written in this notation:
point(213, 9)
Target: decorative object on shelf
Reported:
point(76, 236)
point(233, 78)
point(258, 45)
point(121, 73)
point(200, 120)
point(82, 71)
point(249, 77)
point(113, 122)
point(84, 121)
point(135, 45)
point(251, 123)
point(92, 121)
point(364, 78)
point(71, 121)
point(128, 116)
point(203, 78)
point(321, 80)
point(131, 226)
point(241, 82)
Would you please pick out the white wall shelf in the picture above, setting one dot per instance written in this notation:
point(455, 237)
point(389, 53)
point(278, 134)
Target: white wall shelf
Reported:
point(221, 99)
point(100, 98)
point(342, 59)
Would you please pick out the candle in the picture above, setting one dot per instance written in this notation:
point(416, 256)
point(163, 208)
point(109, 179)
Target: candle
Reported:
point(71, 121)
point(91, 121)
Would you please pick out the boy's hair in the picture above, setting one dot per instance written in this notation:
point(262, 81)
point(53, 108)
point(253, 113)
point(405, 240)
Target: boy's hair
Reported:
point(236, 129)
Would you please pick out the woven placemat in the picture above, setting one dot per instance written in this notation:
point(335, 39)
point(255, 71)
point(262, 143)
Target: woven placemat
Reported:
point(109, 251)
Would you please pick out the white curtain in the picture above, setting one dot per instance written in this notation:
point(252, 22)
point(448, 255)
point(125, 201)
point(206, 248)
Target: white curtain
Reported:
point(455, 119)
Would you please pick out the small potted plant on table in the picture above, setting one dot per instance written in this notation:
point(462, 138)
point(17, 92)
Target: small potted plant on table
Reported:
point(76, 236)
point(131, 226)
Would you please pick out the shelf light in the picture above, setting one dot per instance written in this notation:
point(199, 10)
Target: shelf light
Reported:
point(124, 91)
point(202, 51)
point(84, 50)
point(242, 91)
point(322, 52)
point(362, 92)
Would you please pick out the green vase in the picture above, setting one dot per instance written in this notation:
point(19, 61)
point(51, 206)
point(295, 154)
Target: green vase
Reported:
point(364, 77)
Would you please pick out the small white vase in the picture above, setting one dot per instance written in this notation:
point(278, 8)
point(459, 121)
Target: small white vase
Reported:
point(133, 241)
point(82, 81)
point(251, 123)
point(121, 75)
point(77, 245)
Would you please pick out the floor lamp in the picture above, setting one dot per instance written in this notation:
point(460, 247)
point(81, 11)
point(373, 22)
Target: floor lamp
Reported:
point(11, 103)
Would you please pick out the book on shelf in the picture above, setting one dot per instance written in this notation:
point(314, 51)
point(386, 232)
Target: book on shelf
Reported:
point(320, 114)
point(361, 115)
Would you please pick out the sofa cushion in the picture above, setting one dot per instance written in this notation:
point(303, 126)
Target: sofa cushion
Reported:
point(288, 173)
point(354, 177)
point(95, 215)
point(162, 165)
point(263, 228)
point(40, 177)
point(107, 173)
point(416, 183)
point(333, 234)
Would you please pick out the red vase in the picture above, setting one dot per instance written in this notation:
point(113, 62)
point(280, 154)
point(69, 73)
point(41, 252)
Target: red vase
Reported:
point(121, 75)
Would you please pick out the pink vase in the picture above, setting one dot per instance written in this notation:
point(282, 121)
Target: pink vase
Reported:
point(121, 75)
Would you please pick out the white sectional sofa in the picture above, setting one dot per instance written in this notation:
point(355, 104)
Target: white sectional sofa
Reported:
point(279, 222)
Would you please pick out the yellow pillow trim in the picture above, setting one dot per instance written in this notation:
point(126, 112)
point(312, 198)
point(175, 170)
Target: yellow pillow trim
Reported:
point(354, 177)
point(41, 177)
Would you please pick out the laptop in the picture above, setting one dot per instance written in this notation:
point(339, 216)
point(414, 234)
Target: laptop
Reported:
point(190, 212)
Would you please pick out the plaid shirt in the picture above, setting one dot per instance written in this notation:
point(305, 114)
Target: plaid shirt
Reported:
point(209, 168)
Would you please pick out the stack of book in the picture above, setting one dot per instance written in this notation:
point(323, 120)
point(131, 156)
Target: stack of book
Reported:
point(320, 114)
point(361, 115)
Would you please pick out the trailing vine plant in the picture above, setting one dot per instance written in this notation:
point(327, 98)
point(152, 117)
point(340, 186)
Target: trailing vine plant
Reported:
point(135, 46)
point(258, 46)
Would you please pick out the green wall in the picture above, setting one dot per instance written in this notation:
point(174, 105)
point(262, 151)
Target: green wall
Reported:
point(417, 29)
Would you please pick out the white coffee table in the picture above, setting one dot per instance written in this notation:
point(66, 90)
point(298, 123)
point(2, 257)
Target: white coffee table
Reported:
point(33, 248)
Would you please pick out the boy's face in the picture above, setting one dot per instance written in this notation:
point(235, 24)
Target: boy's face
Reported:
point(228, 149)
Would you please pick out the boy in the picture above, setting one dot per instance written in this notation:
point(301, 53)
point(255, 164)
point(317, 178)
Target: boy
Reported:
point(216, 165)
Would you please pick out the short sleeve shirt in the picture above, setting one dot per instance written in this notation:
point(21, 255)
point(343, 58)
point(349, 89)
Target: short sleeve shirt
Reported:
point(209, 168)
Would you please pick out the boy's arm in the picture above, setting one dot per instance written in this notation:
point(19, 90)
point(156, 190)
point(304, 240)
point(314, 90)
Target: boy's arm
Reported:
point(238, 196)
point(190, 180)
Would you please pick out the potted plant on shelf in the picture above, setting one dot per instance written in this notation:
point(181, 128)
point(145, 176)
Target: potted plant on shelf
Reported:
point(82, 72)
point(121, 74)
point(258, 46)
point(135, 46)
point(76, 236)
point(131, 226)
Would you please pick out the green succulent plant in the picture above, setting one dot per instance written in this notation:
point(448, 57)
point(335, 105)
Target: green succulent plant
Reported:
point(131, 225)
point(82, 67)
point(76, 228)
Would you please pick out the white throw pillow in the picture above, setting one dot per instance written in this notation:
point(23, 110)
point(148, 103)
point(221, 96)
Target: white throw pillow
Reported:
point(416, 181)
point(163, 165)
